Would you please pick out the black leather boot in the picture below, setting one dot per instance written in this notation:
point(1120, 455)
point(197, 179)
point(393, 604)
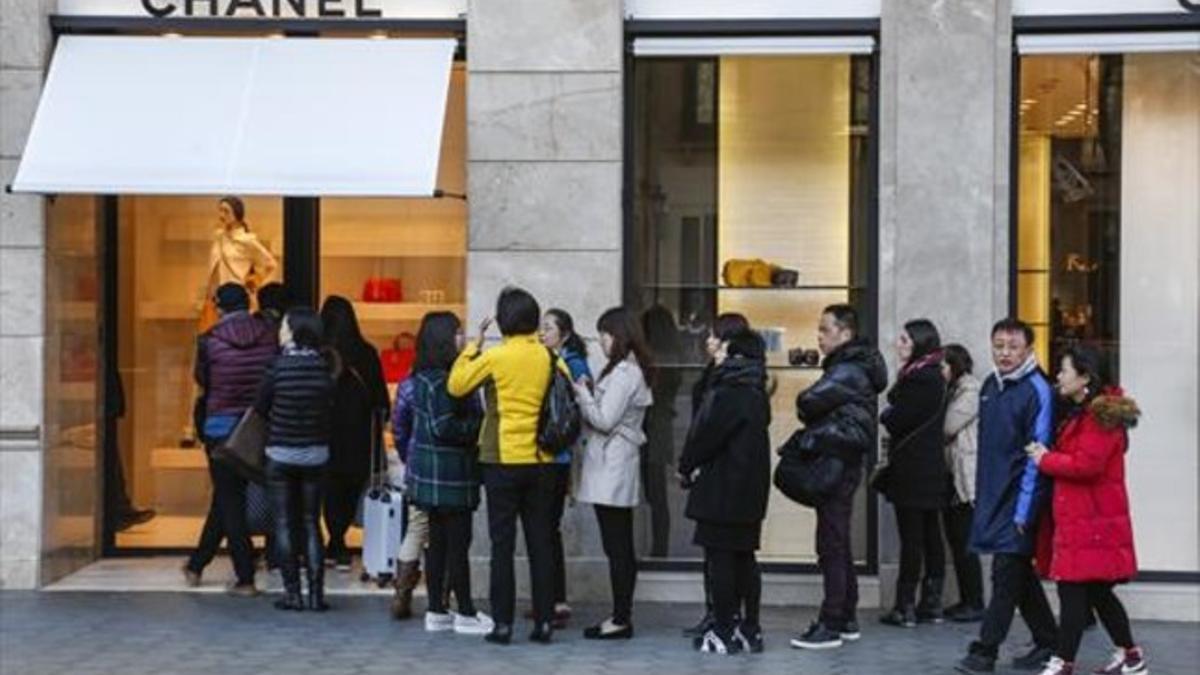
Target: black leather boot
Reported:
point(929, 610)
point(291, 600)
point(316, 590)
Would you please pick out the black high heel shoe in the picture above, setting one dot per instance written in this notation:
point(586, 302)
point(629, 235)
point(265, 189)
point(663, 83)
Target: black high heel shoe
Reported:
point(542, 633)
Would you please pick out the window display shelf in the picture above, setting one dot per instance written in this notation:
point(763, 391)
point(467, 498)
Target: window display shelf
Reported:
point(722, 287)
point(402, 311)
point(178, 458)
point(369, 248)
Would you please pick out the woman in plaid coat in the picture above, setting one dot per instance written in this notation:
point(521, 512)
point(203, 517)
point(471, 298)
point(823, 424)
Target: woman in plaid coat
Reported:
point(443, 474)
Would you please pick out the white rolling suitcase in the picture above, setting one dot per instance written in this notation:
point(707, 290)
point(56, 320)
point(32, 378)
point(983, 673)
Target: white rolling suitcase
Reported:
point(384, 515)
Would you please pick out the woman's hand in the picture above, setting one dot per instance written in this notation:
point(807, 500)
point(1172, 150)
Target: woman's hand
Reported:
point(1036, 452)
point(483, 329)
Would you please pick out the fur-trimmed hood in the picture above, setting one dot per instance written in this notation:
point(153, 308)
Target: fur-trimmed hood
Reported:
point(1113, 408)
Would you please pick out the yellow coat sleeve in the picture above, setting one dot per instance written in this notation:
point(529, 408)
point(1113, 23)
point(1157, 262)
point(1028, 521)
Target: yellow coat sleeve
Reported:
point(470, 370)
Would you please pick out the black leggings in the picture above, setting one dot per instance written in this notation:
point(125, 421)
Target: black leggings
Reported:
point(1078, 600)
point(562, 483)
point(447, 564)
point(654, 484)
point(920, 541)
point(297, 490)
point(616, 533)
point(342, 494)
point(736, 582)
point(956, 520)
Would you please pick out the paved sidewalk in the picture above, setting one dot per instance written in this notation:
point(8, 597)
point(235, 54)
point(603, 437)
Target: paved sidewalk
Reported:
point(132, 633)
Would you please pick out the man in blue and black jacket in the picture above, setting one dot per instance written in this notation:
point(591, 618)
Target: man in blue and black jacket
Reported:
point(1015, 409)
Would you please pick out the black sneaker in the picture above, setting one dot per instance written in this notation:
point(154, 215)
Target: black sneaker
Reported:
point(963, 613)
point(976, 663)
point(933, 615)
point(850, 631)
point(712, 643)
point(750, 639)
point(501, 634)
point(701, 628)
point(1033, 659)
point(818, 636)
point(903, 617)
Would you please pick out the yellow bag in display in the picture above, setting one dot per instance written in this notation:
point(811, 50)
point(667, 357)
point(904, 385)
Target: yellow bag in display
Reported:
point(747, 273)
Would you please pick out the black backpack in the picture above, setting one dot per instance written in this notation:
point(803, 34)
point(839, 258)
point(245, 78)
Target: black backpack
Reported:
point(559, 422)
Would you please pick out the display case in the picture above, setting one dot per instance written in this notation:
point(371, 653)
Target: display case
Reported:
point(752, 181)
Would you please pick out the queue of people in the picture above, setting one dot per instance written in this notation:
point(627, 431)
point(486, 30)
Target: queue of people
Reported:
point(982, 464)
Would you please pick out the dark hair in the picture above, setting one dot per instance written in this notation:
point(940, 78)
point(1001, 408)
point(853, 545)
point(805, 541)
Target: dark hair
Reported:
point(845, 316)
point(231, 297)
point(1011, 325)
point(436, 347)
point(517, 312)
point(924, 336)
point(959, 360)
point(662, 334)
point(566, 325)
point(341, 326)
point(274, 297)
point(747, 343)
point(236, 205)
point(728, 324)
point(306, 327)
point(1089, 363)
point(626, 331)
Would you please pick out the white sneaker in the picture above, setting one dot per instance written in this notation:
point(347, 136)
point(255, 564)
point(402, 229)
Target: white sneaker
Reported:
point(480, 624)
point(436, 622)
point(1056, 666)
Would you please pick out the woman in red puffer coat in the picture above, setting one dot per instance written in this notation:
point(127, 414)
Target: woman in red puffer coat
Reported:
point(1090, 534)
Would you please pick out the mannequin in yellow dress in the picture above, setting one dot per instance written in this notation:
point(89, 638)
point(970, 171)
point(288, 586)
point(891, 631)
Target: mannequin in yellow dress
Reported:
point(236, 256)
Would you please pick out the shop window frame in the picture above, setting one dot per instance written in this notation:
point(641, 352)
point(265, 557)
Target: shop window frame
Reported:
point(630, 286)
point(1065, 25)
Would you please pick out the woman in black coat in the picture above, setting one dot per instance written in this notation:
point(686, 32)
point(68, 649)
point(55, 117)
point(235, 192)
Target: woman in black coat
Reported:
point(917, 485)
point(360, 409)
point(727, 462)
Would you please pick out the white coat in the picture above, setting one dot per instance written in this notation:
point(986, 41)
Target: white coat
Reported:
point(609, 459)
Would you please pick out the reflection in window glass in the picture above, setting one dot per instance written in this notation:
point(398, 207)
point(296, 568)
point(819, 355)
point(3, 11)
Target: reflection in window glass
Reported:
point(750, 179)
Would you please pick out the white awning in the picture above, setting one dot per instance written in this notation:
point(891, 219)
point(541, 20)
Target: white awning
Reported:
point(752, 46)
point(291, 117)
point(1109, 43)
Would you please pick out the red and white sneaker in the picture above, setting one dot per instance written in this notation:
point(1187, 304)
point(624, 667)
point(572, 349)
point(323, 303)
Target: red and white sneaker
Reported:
point(1125, 662)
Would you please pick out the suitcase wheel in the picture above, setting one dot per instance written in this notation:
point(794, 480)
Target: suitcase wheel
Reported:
point(384, 580)
point(364, 577)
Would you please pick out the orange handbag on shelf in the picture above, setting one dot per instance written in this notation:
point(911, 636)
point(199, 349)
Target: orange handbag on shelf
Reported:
point(398, 361)
point(382, 289)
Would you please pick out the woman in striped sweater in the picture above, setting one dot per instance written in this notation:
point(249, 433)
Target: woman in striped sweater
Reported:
point(296, 397)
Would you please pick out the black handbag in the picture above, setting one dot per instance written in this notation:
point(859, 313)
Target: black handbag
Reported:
point(807, 476)
point(560, 421)
point(246, 448)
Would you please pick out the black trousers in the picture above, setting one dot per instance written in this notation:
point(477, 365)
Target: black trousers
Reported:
point(736, 587)
point(295, 492)
point(920, 546)
point(1015, 586)
point(956, 520)
point(562, 483)
point(524, 492)
point(1077, 602)
point(834, 555)
point(342, 494)
point(616, 534)
point(226, 520)
point(654, 484)
point(447, 565)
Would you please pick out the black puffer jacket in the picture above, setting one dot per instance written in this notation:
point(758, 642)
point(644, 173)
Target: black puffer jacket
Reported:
point(839, 410)
point(914, 419)
point(728, 442)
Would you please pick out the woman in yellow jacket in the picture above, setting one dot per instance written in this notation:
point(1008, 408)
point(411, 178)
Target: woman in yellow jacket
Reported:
point(516, 473)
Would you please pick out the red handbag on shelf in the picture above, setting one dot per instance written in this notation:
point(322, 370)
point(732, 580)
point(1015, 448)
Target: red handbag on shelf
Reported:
point(398, 361)
point(383, 289)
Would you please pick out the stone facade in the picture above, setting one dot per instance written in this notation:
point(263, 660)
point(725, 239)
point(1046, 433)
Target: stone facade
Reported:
point(24, 51)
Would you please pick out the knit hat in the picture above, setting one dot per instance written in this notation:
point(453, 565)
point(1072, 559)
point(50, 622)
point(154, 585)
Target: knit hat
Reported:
point(232, 297)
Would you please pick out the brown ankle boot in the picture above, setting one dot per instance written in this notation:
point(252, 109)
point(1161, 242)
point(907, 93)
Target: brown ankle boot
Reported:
point(406, 580)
